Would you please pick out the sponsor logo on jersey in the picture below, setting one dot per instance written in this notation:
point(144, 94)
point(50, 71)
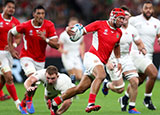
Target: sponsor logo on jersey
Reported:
point(105, 32)
point(31, 32)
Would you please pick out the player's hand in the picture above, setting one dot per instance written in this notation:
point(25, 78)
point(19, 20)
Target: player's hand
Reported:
point(42, 35)
point(14, 53)
point(70, 31)
point(144, 52)
point(110, 65)
point(30, 89)
point(119, 66)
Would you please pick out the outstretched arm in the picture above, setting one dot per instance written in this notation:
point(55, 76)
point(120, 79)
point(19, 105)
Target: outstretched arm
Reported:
point(29, 82)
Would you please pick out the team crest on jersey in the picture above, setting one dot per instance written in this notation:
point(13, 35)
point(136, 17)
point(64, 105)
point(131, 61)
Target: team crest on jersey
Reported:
point(31, 32)
point(117, 35)
point(1, 24)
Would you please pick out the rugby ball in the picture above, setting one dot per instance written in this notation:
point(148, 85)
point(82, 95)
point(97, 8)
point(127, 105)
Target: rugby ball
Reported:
point(78, 29)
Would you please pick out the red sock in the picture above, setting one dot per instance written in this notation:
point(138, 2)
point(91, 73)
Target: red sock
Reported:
point(23, 103)
point(28, 98)
point(58, 100)
point(92, 98)
point(12, 91)
point(1, 93)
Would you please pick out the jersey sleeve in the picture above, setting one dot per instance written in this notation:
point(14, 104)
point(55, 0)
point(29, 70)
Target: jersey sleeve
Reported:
point(158, 27)
point(21, 28)
point(52, 31)
point(135, 34)
point(92, 27)
point(62, 38)
point(40, 75)
point(131, 21)
point(66, 84)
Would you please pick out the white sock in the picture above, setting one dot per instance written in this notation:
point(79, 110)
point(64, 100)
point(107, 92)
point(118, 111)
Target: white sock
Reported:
point(17, 102)
point(132, 103)
point(126, 94)
point(148, 94)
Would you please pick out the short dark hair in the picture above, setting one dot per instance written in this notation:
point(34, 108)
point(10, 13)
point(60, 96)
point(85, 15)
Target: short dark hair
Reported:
point(8, 1)
point(52, 70)
point(125, 8)
point(147, 2)
point(38, 7)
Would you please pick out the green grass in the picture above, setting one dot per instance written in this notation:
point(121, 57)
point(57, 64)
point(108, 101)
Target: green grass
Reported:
point(109, 104)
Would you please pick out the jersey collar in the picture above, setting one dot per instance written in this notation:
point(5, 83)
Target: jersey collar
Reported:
point(8, 20)
point(34, 25)
point(110, 26)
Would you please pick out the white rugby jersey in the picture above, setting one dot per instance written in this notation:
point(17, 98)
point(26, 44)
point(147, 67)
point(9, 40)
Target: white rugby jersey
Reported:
point(62, 84)
point(147, 29)
point(129, 34)
point(73, 48)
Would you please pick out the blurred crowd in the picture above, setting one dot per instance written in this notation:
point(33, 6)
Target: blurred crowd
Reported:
point(87, 11)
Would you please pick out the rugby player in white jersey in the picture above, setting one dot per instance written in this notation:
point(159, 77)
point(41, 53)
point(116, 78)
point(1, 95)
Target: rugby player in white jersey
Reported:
point(128, 69)
point(72, 53)
point(54, 84)
point(148, 28)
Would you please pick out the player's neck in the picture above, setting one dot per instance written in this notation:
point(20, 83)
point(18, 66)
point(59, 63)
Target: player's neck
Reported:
point(111, 25)
point(5, 16)
point(37, 23)
point(125, 26)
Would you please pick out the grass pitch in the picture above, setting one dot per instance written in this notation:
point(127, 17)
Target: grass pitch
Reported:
point(109, 103)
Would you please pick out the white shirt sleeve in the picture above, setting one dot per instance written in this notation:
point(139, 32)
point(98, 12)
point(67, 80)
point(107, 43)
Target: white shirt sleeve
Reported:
point(64, 83)
point(135, 34)
point(62, 38)
point(14, 31)
point(40, 75)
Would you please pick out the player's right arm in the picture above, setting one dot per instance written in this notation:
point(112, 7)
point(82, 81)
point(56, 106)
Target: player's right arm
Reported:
point(29, 82)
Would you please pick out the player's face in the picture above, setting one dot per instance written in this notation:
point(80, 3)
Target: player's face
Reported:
point(73, 22)
point(119, 22)
point(9, 9)
point(39, 15)
point(126, 18)
point(51, 79)
point(147, 10)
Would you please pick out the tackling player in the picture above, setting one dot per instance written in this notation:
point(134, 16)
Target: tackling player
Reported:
point(54, 84)
point(38, 33)
point(105, 38)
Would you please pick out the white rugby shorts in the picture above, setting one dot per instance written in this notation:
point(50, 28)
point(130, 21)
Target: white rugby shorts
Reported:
point(90, 61)
point(30, 66)
point(72, 61)
point(6, 61)
point(140, 61)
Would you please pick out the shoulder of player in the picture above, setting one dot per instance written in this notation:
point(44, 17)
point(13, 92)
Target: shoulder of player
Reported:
point(63, 77)
point(48, 22)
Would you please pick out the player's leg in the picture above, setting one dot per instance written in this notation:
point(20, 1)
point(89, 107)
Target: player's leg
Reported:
point(3, 96)
point(6, 61)
point(131, 92)
point(29, 68)
point(152, 74)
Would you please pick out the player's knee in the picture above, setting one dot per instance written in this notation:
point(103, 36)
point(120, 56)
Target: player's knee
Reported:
point(9, 79)
point(154, 75)
point(134, 83)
